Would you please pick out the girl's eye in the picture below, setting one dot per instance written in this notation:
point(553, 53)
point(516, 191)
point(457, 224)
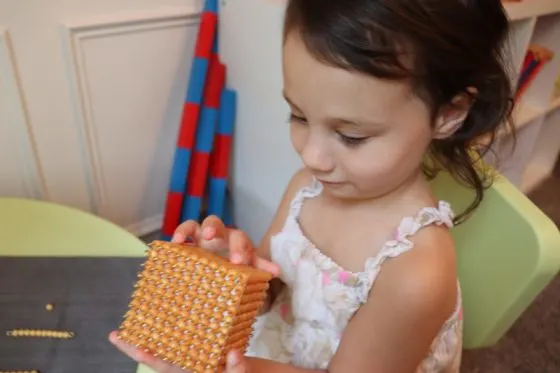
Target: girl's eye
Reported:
point(350, 140)
point(296, 118)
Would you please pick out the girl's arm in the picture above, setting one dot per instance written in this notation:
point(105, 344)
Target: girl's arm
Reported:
point(411, 299)
point(409, 303)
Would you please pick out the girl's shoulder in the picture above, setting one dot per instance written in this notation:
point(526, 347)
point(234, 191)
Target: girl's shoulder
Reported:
point(299, 180)
point(425, 275)
point(414, 296)
point(419, 267)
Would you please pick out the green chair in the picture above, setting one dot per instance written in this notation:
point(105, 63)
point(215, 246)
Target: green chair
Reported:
point(508, 251)
point(38, 228)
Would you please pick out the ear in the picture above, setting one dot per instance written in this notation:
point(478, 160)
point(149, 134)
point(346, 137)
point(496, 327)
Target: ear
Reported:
point(452, 115)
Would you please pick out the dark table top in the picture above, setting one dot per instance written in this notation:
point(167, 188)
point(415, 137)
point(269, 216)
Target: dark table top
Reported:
point(89, 295)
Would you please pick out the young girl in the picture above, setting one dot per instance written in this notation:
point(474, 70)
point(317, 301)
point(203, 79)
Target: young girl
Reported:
point(383, 94)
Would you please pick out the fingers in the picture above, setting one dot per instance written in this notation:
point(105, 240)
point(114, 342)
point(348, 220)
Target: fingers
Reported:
point(214, 236)
point(235, 363)
point(266, 265)
point(143, 357)
point(213, 227)
point(241, 249)
point(125, 348)
point(190, 228)
point(211, 235)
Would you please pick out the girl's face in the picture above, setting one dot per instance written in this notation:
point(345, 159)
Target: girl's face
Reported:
point(360, 136)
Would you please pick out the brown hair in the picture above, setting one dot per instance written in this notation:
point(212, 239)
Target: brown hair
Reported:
point(442, 46)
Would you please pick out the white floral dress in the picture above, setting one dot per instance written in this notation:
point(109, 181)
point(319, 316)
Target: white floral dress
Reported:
point(306, 322)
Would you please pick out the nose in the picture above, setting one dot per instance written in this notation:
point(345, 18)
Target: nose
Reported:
point(316, 157)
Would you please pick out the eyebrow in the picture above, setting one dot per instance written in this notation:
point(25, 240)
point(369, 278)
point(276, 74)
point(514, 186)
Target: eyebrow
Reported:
point(348, 121)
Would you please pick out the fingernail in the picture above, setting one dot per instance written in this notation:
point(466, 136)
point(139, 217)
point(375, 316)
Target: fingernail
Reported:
point(232, 359)
point(208, 232)
point(236, 258)
point(177, 237)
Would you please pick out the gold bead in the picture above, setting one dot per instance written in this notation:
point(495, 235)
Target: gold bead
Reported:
point(49, 307)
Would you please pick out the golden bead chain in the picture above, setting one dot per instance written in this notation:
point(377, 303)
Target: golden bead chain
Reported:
point(37, 333)
point(40, 333)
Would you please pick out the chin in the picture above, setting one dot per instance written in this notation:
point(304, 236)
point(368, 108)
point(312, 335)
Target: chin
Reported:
point(349, 193)
point(343, 192)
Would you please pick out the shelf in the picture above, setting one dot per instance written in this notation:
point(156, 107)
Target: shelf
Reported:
point(525, 114)
point(531, 8)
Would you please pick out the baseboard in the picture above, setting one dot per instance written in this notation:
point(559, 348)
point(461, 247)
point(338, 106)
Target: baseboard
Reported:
point(146, 226)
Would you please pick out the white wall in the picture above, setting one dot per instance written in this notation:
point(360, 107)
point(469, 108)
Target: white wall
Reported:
point(250, 45)
point(91, 94)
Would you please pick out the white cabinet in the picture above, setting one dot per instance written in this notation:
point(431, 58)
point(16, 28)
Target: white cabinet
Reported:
point(91, 94)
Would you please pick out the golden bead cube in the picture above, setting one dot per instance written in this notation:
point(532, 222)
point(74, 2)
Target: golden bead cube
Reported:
point(191, 307)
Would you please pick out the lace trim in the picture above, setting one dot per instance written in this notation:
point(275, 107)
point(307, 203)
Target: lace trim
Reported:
point(457, 315)
point(397, 245)
point(304, 193)
point(400, 243)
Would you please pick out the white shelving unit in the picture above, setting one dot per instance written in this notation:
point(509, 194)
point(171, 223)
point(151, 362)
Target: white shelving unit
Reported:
point(537, 114)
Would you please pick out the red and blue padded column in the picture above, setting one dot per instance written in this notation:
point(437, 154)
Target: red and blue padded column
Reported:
point(191, 112)
point(219, 168)
point(228, 213)
point(214, 51)
point(198, 173)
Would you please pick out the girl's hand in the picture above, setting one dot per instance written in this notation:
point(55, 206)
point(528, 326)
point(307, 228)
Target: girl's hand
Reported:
point(235, 361)
point(214, 236)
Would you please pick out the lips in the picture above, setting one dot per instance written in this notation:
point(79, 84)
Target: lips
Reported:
point(329, 182)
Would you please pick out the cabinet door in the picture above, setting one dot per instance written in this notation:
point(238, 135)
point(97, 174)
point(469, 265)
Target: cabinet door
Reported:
point(91, 95)
point(19, 172)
